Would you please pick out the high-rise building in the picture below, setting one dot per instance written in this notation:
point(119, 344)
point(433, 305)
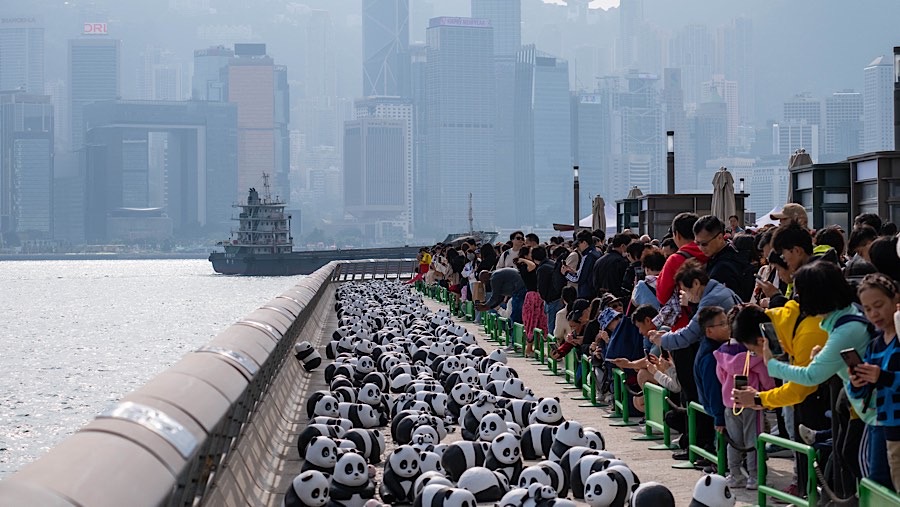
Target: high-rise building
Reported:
point(639, 151)
point(543, 144)
point(57, 90)
point(711, 133)
point(460, 101)
point(319, 74)
point(161, 76)
point(418, 60)
point(26, 167)
point(208, 82)
point(803, 109)
point(282, 132)
point(506, 18)
point(95, 64)
point(719, 87)
point(734, 59)
point(631, 20)
point(22, 54)
point(385, 32)
point(787, 137)
point(389, 108)
point(676, 120)
point(878, 105)
point(843, 126)
point(692, 50)
point(591, 146)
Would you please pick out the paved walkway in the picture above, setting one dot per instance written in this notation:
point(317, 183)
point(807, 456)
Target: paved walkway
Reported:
point(648, 465)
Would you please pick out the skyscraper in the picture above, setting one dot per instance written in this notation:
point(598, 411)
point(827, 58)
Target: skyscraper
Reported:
point(843, 125)
point(735, 60)
point(543, 144)
point(418, 60)
point(711, 133)
point(640, 152)
point(692, 50)
point(631, 19)
point(26, 167)
point(95, 64)
point(506, 18)
point(591, 146)
point(386, 47)
point(22, 54)
point(208, 82)
point(728, 91)
point(676, 120)
point(794, 135)
point(803, 109)
point(460, 101)
point(878, 105)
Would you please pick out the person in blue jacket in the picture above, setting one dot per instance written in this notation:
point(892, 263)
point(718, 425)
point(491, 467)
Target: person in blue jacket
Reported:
point(714, 322)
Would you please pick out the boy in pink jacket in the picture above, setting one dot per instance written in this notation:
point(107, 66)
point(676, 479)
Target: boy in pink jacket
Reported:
point(742, 424)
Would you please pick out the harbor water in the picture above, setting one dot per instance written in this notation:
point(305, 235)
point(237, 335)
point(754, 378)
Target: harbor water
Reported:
point(76, 336)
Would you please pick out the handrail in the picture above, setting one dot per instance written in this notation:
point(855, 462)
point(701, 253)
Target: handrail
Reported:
point(812, 493)
point(192, 433)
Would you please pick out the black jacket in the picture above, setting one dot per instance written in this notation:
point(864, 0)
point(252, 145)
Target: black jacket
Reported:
point(733, 269)
point(545, 283)
point(608, 273)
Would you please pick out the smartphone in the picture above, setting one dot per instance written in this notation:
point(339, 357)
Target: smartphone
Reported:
point(851, 358)
point(740, 381)
point(768, 330)
point(759, 277)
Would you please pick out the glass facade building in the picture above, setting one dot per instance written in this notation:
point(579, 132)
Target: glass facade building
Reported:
point(22, 54)
point(385, 31)
point(94, 74)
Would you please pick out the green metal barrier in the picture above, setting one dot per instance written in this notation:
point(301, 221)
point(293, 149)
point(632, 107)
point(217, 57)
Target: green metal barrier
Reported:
point(872, 494)
point(540, 346)
point(518, 338)
point(568, 369)
point(470, 311)
point(552, 364)
point(586, 383)
point(694, 450)
point(504, 332)
point(655, 408)
point(621, 403)
point(812, 493)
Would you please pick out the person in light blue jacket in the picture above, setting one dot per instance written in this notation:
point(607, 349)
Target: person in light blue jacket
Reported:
point(696, 287)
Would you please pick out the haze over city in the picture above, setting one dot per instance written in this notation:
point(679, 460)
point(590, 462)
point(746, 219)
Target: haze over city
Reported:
point(375, 120)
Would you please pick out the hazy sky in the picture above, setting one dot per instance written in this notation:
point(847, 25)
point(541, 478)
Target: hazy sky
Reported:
point(603, 4)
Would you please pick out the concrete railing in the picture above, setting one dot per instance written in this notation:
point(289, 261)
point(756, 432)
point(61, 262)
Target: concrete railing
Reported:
point(218, 428)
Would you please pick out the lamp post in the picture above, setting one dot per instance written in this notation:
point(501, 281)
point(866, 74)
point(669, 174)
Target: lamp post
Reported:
point(897, 97)
point(575, 202)
point(670, 161)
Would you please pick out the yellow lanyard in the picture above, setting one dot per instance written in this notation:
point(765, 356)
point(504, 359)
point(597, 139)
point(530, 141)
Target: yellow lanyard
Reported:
point(746, 374)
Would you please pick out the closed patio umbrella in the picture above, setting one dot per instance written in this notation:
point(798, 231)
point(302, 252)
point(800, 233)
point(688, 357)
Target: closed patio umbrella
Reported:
point(598, 212)
point(723, 205)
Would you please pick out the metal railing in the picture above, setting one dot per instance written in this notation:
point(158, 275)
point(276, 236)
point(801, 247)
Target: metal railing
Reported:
point(216, 428)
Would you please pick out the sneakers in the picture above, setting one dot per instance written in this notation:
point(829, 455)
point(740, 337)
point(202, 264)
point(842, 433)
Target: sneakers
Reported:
point(775, 451)
point(735, 482)
point(807, 435)
point(752, 484)
point(680, 455)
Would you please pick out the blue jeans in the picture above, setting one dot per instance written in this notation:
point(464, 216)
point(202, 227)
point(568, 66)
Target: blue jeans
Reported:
point(517, 301)
point(551, 309)
point(876, 460)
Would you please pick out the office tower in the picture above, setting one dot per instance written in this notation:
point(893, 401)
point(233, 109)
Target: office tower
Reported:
point(640, 151)
point(506, 18)
point(878, 105)
point(208, 82)
point(803, 109)
point(460, 100)
point(94, 74)
point(843, 125)
point(319, 75)
point(160, 76)
point(692, 50)
point(591, 146)
point(676, 120)
point(418, 60)
point(727, 90)
point(22, 54)
point(26, 167)
point(199, 169)
point(543, 145)
point(631, 20)
point(385, 32)
point(58, 92)
point(386, 108)
point(734, 59)
point(711, 133)
point(282, 119)
point(790, 136)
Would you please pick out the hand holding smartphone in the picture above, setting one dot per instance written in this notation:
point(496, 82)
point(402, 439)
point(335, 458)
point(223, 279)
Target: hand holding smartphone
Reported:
point(740, 381)
point(851, 358)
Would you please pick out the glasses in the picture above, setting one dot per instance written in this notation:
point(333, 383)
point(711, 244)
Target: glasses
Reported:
point(519, 238)
point(704, 244)
point(720, 324)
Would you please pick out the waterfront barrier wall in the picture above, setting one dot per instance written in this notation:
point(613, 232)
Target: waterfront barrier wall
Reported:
point(217, 428)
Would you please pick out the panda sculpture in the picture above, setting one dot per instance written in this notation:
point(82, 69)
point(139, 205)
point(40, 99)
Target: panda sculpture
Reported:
point(492, 425)
point(487, 486)
point(652, 494)
point(351, 485)
point(430, 462)
point(505, 456)
point(437, 495)
point(595, 439)
point(308, 356)
point(369, 443)
point(346, 424)
point(309, 489)
point(584, 468)
point(463, 455)
point(514, 388)
point(537, 439)
point(520, 410)
point(606, 489)
point(321, 455)
point(547, 411)
point(400, 472)
point(571, 457)
point(711, 491)
point(362, 415)
point(545, 472)
point(322, 403)
point(429, 478)
point(631, 478)
point(570, 434)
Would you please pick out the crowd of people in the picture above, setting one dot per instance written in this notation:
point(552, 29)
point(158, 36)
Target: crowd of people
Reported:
point(779, 329)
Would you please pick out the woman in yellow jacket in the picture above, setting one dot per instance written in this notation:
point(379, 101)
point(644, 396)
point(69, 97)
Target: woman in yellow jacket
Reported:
point(799, 336)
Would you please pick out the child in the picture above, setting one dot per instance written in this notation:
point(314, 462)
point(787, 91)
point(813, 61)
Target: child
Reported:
point(714, 323)
point(733, 359)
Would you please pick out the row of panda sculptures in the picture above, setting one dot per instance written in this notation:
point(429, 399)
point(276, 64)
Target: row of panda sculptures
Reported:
point(400, 368)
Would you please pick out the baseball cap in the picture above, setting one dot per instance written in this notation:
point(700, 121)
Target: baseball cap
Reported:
point(579, 306)
point(606, 317)
point(792, 211)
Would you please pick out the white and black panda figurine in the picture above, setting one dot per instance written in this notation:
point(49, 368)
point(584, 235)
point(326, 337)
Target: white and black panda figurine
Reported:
point(308, 356)
point(547, 411)
point(321, 455)
point(430, 462)
point(537, 439)
point(437, 495)
point(369, 443)
point(487, 486)
point(429, 478)
point(492, 425)
point(711, 491)
point(309, 489)
point(631, 478)
point(505, 456)
point(569, 434)
point(606, 489)
point(362, 415)
point(370, 394)
point(545, 472)
point(400, 472)
point(321, 403)
point(463, 455)
point(584, 468)
point(351, 485)
point(652, 494)
point(595, 439)
point(317, 430)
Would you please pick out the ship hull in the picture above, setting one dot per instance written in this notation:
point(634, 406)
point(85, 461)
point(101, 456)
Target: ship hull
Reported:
point(299, 263)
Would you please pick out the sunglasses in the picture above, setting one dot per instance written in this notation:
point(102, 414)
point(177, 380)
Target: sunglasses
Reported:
point(704, 244)
point(520, 238)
